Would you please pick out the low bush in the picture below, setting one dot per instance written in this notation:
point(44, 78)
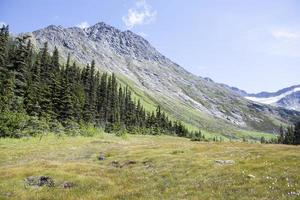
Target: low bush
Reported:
point(12, 124)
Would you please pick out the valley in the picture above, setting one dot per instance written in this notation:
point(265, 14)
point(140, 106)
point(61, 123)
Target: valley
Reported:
point(149, 100)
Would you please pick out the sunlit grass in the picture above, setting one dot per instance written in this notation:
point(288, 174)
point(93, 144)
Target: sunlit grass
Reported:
point(166, 168)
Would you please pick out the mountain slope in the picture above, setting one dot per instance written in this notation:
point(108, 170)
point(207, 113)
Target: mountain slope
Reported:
point(197, 101)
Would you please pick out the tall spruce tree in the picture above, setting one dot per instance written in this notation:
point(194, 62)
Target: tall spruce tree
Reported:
point(6, 75)
point(20, 67)
point(45, 90)
point(297, 134)
point(55, 83)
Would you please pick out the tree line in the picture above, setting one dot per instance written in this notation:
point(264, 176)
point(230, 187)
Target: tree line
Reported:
point(289, 135)
point(38, 91)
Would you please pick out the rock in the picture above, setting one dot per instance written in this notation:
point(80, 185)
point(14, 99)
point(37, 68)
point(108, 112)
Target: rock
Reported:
point(101, 157)
point(250, 176)
point(225, 162)
point(67, 185)
point(39, 181)
point(44, 180)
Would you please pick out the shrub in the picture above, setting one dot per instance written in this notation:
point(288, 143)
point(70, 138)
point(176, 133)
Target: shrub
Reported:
point(56, 127)
point(90, 130)
point(35, 126)
point(121, 133)
point(71, 128)
point(12, 124)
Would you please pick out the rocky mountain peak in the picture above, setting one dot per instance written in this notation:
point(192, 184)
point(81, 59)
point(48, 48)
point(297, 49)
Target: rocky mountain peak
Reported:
point(101, 28)
point(123, 42)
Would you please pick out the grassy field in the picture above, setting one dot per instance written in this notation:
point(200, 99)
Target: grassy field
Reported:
point(148, 167)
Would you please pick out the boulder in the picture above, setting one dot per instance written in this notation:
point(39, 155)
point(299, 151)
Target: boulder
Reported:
point(67, 185)
point(101, 157)
point(225, 162)
point(250, 176)
point(39, 181)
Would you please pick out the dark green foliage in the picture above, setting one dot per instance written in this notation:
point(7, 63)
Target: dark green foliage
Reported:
point(263, 140)
point(289, 136)
point(19, 63)
point(6, 76)
point(38, 94)
point(297, 134)
point(198, 136)
point(12, 123)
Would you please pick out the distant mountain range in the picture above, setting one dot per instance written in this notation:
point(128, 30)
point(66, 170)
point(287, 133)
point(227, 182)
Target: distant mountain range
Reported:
point(197, 101)
point(288, 98)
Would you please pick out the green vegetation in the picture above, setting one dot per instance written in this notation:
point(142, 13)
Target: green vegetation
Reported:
point(290, 136)
point(253, 135)
point(147, 167)
point(39, 94)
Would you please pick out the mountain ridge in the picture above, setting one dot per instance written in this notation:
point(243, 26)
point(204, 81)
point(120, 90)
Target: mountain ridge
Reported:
point(288, 98)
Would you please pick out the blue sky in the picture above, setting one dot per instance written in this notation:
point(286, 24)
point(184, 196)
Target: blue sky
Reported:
point(251, 44)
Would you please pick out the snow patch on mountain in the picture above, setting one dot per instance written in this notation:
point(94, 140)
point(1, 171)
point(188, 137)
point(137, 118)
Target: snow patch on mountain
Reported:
point(272, 100)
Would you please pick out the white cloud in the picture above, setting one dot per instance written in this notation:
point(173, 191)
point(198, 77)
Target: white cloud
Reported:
point(2, 23)
point(274, 41)
point(141, 14)
point(83, 25)
point(285, 34)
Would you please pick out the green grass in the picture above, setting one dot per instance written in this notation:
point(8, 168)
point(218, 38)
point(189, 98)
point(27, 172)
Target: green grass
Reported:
point(166, 168)
point(254, 135)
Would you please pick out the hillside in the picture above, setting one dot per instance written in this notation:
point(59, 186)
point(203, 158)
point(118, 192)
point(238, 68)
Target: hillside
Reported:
point(146, 167)
point(156, 79)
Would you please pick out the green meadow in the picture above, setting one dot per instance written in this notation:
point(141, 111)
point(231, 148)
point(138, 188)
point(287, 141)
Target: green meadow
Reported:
point(147, 167)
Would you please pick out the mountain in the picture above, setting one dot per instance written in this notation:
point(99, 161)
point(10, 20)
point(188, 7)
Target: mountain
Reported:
point(288, 98)
point(155, 79)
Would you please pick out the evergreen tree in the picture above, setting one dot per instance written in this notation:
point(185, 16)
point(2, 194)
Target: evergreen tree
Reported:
point(297, 134)
point(114, 101)
point(262, 140)
point(20, 67)
point(66, 109)
point(6, 75)
point(102, 102)
point(86, 79)
point(45, 91)
point(281, 135)
point(55, 83)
